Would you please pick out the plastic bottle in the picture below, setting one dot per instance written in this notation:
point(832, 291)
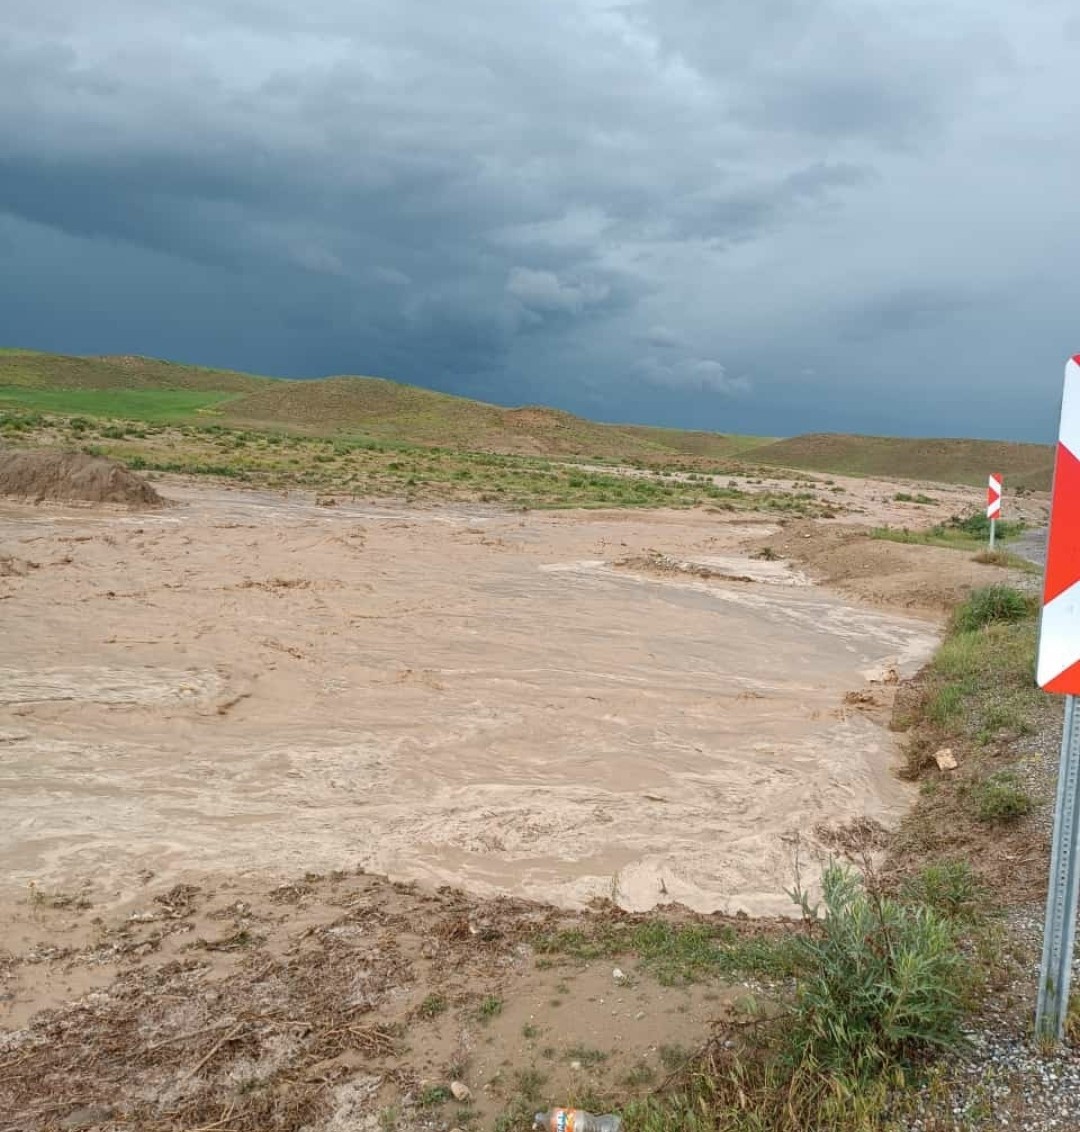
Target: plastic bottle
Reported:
point(575, 1120)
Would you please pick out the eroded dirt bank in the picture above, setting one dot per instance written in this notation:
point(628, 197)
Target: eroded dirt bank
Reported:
point(511, 703)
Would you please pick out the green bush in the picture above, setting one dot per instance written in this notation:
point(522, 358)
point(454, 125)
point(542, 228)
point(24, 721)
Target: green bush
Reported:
point(1001, 798)
point(883, 985)
point(993, 605)
point(887, 983)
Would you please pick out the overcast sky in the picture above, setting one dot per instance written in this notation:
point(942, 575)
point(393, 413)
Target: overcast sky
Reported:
point(765, 216)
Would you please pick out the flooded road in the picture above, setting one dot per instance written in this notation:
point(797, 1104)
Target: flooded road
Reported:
point(503, 702)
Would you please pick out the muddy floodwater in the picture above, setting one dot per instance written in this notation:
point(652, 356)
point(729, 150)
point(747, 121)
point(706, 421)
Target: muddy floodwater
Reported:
point(504, 702)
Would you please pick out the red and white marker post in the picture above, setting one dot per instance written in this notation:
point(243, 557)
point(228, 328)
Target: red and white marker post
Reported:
point(993, 504)
point(1058, 671)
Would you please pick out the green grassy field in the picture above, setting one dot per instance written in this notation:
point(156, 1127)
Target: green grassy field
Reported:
point(116, 404)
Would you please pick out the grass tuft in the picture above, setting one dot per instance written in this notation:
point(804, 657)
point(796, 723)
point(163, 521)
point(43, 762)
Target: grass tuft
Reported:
point(993, 605)
point(490, 1006)
point(1001, 798)
point(949, 888)
point(432, 1006)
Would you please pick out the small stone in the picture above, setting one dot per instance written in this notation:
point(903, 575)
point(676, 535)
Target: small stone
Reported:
point(945, 759)
point(461, 1091)
point(575, 1065)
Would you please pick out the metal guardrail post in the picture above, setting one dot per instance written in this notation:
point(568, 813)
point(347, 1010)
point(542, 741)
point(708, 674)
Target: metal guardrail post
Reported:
point(1059, 935)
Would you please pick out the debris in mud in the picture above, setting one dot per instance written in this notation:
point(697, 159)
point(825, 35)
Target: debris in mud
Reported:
point(855, 837)
point(51, 473)
point(655, 562)
point(12, 567)
point(179, 901)
point(273, 584)
point(357, 1007)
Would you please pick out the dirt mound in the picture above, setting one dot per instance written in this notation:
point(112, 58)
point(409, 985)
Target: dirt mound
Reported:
point(896, 575)
point(45, 473)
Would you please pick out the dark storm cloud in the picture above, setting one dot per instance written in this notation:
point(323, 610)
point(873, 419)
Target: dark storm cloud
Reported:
point(707, 213)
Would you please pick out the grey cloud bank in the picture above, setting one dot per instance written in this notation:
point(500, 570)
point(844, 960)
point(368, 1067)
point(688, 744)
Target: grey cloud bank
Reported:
point(768, 218)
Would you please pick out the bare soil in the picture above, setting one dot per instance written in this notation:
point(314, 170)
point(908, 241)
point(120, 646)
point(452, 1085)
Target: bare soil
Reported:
point(879, 572)
point(334, 1002)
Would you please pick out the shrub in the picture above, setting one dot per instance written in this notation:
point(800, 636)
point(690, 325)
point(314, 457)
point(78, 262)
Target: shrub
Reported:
point(990, 605)
point(887, 983)
point(884, 984)
point(1001, 798)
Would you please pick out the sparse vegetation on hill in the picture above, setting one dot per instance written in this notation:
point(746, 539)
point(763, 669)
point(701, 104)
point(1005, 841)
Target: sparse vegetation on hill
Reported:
point(1025, 466)
point(371, 469)
point(147, 389)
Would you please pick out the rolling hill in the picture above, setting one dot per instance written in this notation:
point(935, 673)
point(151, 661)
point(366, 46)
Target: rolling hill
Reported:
point(943, 461)
point(138, 388)
point(149, 389)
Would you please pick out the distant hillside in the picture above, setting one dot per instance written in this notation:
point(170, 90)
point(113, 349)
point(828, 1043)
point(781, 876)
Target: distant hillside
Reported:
point(946, 461)
point(59, 371)
point(390, 411)
point(706, 445)
point(146, 388)
point(137, 388)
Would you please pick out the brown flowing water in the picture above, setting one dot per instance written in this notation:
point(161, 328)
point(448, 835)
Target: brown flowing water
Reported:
point(508, 703)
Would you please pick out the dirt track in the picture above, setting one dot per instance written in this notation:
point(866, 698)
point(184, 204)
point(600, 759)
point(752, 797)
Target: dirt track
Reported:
point(251, 684)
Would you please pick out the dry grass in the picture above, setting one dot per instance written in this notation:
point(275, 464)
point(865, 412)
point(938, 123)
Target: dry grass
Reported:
point(1027, 466)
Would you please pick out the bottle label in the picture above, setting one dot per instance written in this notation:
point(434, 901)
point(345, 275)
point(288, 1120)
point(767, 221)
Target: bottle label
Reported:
point(564, 1120)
